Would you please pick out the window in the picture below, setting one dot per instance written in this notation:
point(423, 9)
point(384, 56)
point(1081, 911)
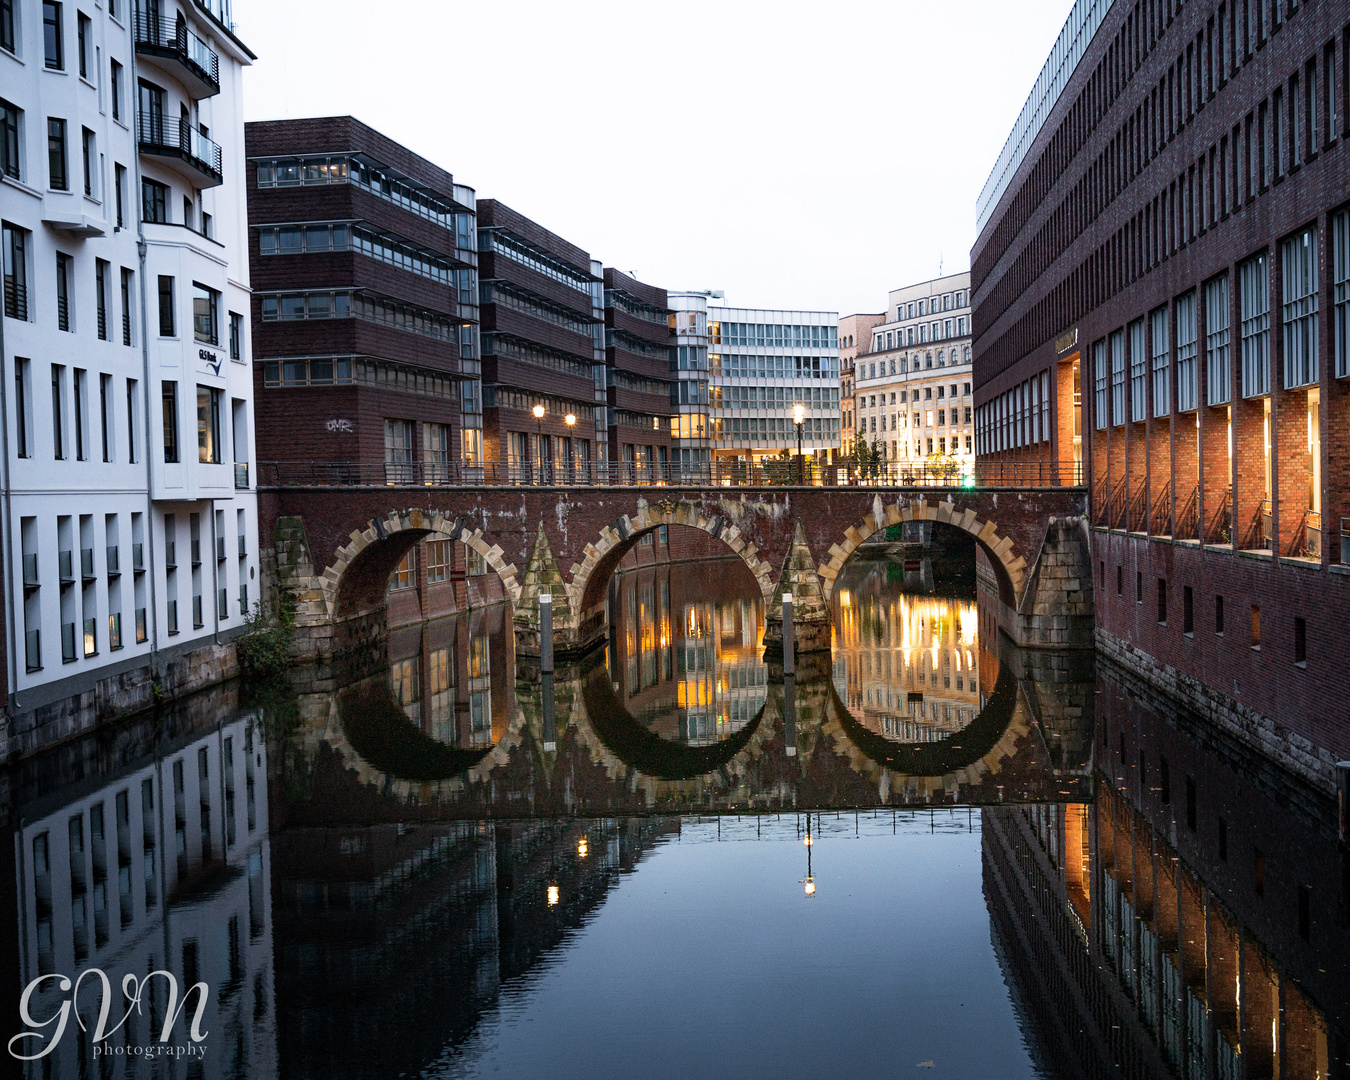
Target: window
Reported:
point(105, 414)
point(56, 155)
point(236, 336)
point(16, 271)
point(1254, 278)
point(398, 448)
point(1162, 389)
point(405, 573)
point(126, 305)
point(208, 425)
point(1138, 372)
point(59, 412)
point(7, 25)
point(88, 148)
point(132, 416)
point(169, 403)
point(63, 288)
point(1162, 601)
point(166, 320)
point(1300, 309)
point(436, 450)
point(51, 35)
point(438, 560)
point(1187, 376)
point(1300, 642)
point(1256, 626)
point(1340, 296)
point(9, 139)
point(1218, 615)
point(1117, 342)
point(1218, 388)
point(154, 202)
point(82, 44)
point(115, 88)
point(1100, 384)
point(1138, 586)
point(23, 409)
point(119, 193)
point(1187, 610)
point(101, 297)
point(205, 313)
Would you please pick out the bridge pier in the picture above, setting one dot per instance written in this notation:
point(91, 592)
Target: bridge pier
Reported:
point(812, 623)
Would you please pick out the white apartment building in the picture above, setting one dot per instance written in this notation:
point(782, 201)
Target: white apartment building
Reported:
point(912, 390)
point(760, 364)
point(126, 328)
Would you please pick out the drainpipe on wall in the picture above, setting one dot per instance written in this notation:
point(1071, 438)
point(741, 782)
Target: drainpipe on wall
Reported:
point(7, 529)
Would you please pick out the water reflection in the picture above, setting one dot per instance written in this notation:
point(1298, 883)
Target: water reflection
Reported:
point(1092, 885)
point(686, 648)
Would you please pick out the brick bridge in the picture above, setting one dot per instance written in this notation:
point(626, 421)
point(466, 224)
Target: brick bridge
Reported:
point(336, 547)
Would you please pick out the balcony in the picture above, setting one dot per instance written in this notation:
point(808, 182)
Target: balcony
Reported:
point(220, 549)
point(170, 555)
point(243, 546)
point(241, 475)
point(87, 563)
point(65, 564)
point(114, 561)
point(181, 147)
point(171, 45)
point(30, 571)
point(138, 558)
point(32, 650)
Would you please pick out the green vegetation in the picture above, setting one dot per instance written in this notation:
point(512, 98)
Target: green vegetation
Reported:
point(264, 648)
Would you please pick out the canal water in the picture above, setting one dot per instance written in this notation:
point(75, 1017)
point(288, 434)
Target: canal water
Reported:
point(927, 851)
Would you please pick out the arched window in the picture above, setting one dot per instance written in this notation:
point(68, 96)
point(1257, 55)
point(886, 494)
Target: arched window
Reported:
point(942, 358)
point(928, 360)
point(967, 354)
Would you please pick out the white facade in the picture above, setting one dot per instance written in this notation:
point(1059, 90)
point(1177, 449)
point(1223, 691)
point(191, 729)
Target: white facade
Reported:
point(912, 395)
point(126, 328)
point(760, 364)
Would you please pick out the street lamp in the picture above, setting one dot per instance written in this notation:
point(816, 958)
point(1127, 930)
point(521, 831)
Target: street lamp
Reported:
point(798, 413)
point(571, 421)
point(810, 882)
point(538, 411)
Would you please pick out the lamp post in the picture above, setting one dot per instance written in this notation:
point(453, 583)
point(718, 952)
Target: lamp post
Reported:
point(798, 413)
point(538, 411)
point(810, 882)
point(571, 420)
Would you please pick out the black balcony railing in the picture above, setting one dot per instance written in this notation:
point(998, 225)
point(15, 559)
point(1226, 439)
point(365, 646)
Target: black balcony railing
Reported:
point(16, 299)
point(170, 39)
point(241, 475)
point(167, 137)
point(782, 472)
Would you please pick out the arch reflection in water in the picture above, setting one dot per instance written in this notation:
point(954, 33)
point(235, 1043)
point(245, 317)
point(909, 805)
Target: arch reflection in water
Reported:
point(908, 667)
point(442, 704)
point(685, 649)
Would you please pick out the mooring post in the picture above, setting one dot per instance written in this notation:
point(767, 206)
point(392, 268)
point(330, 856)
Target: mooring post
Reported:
point(545, 631)
point(790, 715)
point(789, 637)
point(550, 721)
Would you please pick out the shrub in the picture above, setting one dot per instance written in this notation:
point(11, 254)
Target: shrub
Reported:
point(264, 648)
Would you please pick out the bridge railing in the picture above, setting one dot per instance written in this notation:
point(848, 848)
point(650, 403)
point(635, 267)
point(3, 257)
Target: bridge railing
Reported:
point(977, 474)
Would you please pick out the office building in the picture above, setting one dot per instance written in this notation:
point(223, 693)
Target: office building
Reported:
point(543, 322)
point(637, 369)
point(913, 387)
point(1168, 218)
point(761, 364)
point(855, 336)
point(130, 555)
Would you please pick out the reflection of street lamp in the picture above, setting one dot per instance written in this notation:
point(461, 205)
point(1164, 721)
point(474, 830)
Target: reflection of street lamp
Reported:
point(538, 411)
point(582, 848)
point(552, 896)
point(798, 412)
point(810, 882)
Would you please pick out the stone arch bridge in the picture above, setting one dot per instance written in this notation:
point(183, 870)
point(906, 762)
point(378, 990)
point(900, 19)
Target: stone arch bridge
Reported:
point(335, 547)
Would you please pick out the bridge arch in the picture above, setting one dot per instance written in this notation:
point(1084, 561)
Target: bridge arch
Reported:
point(357, 579)
point(1009, 564)
point(590, 577)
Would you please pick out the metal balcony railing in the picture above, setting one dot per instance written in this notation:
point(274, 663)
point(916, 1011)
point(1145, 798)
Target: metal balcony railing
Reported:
point(166, 137)
point(114, 560)
point(66, 566)
point(241, 475)
point(16, 299)
point(138, 558)
point(32, 649)
point(170, 39)
point(1220, 527)
point(170, 555)
point(220, 549)
point(67, 642)
point(243, 546)
point(1188, 518)
point(781, 472)
point(30, 571)
point(87, 563)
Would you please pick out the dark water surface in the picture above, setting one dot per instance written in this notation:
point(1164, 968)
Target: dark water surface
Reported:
point(928, 850)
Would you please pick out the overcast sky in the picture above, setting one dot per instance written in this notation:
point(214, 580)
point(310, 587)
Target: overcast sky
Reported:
point(797, 155)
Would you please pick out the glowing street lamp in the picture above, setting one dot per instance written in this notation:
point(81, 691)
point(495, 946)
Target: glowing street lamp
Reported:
point(798, 414)
point(571, 421)
point(538, 411)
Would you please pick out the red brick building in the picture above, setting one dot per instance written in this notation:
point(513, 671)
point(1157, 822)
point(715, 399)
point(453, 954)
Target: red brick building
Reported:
point(638, 339)
point(1161, 284)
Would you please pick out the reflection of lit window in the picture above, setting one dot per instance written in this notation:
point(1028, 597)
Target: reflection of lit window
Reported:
point(404, 575)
